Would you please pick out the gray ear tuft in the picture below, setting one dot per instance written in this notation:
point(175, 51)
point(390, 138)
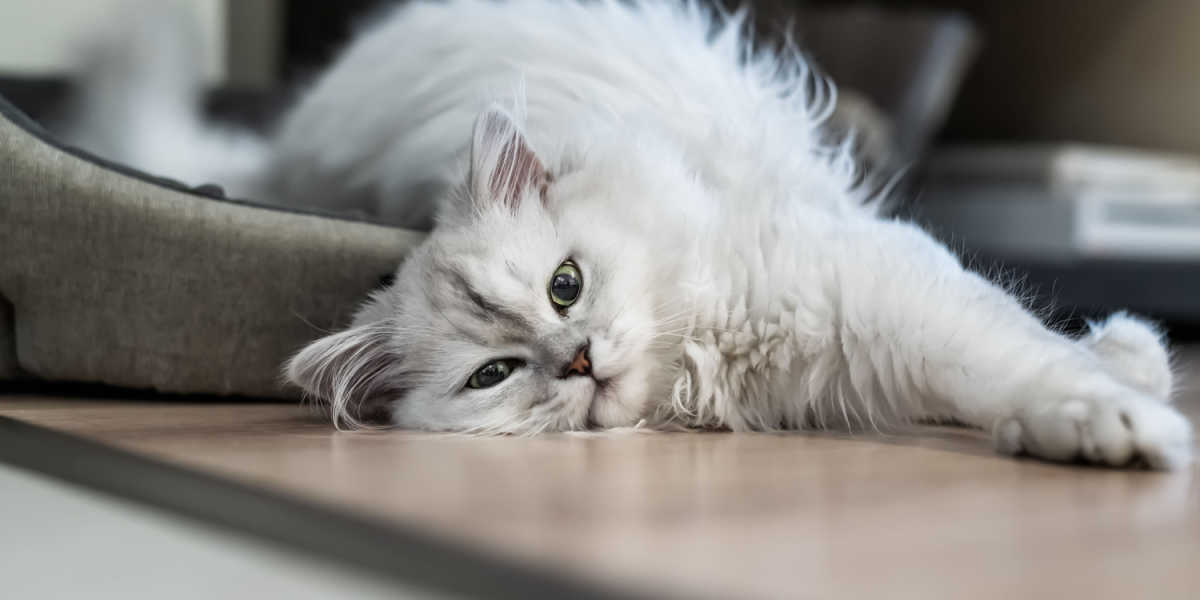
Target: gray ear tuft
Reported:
point(356, 373)
point(504, 168)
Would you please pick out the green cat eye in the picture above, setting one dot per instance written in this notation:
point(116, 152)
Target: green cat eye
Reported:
point(493, 373)
point(565, 285)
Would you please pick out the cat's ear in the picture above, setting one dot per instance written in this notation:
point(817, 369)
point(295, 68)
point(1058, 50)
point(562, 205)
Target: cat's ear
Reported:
point(356, 373)
point(504, 167)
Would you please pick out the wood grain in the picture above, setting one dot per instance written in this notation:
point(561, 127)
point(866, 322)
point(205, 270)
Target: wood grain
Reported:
point(711, 514)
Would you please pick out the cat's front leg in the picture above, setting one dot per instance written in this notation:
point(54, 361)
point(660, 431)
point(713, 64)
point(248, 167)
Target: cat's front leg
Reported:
point(940, 341)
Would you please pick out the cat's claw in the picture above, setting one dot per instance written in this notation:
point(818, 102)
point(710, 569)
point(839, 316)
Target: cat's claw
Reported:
point(1110, 432)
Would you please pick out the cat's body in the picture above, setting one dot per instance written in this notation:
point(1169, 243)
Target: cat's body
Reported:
point(724, 156)
point(722, 270)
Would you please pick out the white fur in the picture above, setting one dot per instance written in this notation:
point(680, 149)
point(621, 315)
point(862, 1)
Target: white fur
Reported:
point(734, 275)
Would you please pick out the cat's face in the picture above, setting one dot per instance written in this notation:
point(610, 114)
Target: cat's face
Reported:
point(533, 307)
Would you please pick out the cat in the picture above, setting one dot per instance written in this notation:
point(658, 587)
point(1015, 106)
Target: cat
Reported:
point(637, 221)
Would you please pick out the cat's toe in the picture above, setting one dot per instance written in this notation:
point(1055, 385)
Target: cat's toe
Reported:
point(1133, 350)
point(1161, 435)
point(1101, 431)
point(1054, 431)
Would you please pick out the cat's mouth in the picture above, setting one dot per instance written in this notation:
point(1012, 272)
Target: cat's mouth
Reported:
point(603, 403)
point(601, 388)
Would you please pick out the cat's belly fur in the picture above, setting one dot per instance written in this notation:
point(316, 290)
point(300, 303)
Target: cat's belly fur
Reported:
point(764, 335)
point(786, 322)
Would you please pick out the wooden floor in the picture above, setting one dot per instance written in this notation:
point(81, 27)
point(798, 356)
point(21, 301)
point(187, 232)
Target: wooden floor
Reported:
point(715, 514)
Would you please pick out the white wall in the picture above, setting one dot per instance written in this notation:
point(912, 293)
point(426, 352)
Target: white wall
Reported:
point(36, 36)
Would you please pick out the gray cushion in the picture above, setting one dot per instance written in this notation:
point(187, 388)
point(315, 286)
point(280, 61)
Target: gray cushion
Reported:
point(122, 280)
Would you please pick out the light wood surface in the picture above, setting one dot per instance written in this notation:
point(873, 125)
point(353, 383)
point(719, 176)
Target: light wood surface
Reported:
point(712, 514)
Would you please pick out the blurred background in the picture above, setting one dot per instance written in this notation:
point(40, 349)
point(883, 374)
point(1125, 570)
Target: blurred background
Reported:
point(1055, 141)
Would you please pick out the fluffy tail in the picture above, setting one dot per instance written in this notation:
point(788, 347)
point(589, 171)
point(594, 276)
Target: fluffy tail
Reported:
point(140, 87)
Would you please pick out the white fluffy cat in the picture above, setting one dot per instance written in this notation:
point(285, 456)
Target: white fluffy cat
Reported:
point(636, 220)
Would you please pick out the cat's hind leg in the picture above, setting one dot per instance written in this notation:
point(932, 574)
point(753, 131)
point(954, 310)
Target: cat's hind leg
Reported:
point(1133, 351)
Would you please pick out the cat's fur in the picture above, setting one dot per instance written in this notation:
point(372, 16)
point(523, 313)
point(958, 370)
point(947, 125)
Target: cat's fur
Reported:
point(733, 274)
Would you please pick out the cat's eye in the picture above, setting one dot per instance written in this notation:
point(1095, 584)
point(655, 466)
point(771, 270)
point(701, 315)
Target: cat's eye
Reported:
point(493, 373)
point(565, 285)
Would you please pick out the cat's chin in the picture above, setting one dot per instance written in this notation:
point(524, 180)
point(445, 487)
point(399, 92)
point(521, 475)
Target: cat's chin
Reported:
point(613, 404)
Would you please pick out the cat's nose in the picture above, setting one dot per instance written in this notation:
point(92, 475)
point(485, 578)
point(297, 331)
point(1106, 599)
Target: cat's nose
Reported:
point(580, 365)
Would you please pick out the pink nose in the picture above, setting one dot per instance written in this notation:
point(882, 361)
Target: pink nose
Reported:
point(580, 365)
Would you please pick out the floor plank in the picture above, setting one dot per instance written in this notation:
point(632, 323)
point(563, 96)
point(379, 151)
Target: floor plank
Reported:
point(712, 514)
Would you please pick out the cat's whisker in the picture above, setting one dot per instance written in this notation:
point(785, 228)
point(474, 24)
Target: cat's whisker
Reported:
point(310, 323)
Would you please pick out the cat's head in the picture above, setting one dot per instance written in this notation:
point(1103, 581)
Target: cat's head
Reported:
point(539, 303)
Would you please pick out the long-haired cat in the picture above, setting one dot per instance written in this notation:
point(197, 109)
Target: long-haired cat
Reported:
point(637, 222)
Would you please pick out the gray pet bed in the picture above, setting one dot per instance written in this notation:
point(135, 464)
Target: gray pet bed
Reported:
point(112, 276)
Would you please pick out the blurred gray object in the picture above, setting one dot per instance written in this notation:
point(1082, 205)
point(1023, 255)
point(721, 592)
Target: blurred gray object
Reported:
point(908, 64)
point(1061, 202)
point(1089, 228)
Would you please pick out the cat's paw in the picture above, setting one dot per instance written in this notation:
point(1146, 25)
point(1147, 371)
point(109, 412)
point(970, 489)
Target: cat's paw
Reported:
point(1106, 429)
point(1133, 351)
